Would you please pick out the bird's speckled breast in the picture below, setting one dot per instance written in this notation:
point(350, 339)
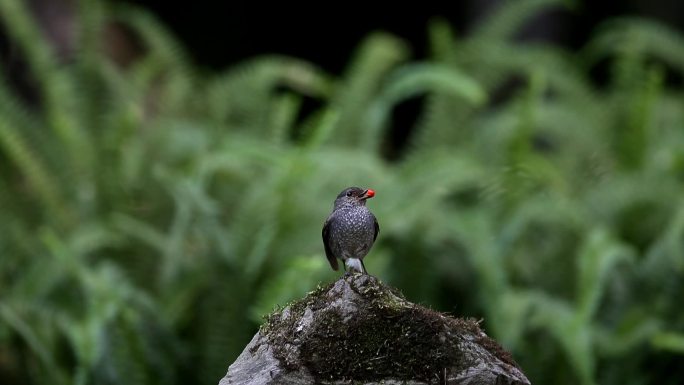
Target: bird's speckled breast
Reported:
point(352, 232)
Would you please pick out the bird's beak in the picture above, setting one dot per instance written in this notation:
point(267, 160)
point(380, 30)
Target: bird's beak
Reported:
point(367, 194)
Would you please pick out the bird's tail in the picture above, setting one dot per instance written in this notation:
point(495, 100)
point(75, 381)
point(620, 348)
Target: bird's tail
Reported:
point(355, 264)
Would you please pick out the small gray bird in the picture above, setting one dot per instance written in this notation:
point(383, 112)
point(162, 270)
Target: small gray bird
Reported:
point(350, 230)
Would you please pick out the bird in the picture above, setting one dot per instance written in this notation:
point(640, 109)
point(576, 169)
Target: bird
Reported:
point(350, 230)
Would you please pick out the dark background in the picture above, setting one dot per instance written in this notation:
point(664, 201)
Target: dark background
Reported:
point(218, 34)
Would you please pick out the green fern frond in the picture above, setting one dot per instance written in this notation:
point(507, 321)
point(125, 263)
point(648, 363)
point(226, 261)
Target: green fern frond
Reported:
point(597, 258)
point(645, 37)
point(443, 45)
point(558, 319)
point(33, 169)
point(374, 59)
point(36, 345)
point(416, 79)
point(669, 341)
point(56, 85)
point(245, 96)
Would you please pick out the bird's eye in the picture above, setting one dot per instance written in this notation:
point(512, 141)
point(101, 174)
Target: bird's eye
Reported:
point(349, 193)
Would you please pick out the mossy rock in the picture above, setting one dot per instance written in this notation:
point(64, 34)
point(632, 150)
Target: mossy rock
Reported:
point(358, 330)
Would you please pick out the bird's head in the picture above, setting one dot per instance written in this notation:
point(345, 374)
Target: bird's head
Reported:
point(353, 196)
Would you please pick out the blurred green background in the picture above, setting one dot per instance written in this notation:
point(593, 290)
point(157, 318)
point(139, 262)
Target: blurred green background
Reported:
point(152, 211)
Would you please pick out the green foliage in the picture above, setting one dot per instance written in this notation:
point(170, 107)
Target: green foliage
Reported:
point(151, 214)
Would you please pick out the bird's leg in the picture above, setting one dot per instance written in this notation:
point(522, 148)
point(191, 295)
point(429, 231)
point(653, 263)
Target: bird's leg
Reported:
point(355, 265)
point(344, 266)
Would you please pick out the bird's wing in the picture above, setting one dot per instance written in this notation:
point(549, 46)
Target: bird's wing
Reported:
point(377, 228)
point(326, 244)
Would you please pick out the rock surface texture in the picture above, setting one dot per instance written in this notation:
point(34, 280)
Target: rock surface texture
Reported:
point(360, 331)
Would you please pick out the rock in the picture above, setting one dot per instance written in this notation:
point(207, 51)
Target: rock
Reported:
point(358, 330)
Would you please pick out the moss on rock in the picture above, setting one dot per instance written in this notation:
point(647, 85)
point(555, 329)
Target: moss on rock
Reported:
point(359, 329)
